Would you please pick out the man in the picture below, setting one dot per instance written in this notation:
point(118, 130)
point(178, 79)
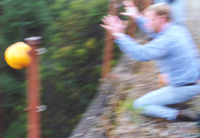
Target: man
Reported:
point(173, 51)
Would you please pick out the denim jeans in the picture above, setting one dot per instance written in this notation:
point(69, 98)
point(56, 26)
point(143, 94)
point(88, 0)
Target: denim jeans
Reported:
point(153, 103)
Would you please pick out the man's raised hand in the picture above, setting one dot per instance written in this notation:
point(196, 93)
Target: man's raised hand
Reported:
point(113, 24)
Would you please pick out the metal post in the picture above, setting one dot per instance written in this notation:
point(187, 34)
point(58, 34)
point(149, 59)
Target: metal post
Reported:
point(33, 88)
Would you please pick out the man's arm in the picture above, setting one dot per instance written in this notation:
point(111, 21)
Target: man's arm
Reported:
point(155, 49)
point(167, 1)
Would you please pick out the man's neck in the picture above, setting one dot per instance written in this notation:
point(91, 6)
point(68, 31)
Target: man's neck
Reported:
point(163, 27)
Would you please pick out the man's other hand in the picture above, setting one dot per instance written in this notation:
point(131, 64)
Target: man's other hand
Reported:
point(131, 10)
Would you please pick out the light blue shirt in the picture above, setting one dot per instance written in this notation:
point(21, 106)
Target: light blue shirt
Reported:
point(173, 50)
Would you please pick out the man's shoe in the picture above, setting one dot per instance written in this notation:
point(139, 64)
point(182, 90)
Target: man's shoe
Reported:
point(187, 116)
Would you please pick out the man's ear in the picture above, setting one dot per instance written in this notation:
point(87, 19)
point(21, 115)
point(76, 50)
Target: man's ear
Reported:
point(163, 18)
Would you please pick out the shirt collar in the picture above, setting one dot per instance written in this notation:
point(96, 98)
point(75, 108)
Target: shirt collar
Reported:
point(165, 28)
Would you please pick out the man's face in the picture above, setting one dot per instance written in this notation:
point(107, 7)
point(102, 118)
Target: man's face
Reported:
point(154, 21)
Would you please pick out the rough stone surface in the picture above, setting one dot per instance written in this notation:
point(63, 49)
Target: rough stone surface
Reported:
point(127, 123)
point(193, 19)
point(94, 124)
point(110, 117)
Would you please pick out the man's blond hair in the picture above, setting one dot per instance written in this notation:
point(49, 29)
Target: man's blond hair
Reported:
point(160, 9)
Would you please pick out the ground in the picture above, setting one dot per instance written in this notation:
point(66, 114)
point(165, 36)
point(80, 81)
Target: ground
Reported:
point(121, 121)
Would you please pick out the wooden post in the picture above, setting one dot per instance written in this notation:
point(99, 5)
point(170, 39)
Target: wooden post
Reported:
point(33, 88)
point(131, 30)
point(108, 48)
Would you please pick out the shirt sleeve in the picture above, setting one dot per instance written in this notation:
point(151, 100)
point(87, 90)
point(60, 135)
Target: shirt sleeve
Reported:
point(155, 49)
point(160, 67)
point(158, 1)
point(140, 21)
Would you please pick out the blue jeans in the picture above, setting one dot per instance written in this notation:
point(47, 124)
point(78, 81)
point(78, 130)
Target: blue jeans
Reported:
point(153, 103)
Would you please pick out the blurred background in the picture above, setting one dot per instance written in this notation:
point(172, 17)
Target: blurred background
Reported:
point(69, 71)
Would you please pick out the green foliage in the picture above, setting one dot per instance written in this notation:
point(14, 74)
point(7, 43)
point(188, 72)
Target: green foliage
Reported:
point(126, 105)
point(22, 19)
point(13, 104)
point(69, 70)
point(17, 128)
point(73, 62)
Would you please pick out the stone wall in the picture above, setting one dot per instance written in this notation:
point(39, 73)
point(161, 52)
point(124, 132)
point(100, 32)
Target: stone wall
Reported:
point(96, 121)
point(193, 19)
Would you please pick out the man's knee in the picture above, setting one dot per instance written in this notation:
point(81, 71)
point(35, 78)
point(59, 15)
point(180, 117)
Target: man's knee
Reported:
point(138, 103)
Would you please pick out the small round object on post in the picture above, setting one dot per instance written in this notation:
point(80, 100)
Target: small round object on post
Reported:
point(17, 55)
